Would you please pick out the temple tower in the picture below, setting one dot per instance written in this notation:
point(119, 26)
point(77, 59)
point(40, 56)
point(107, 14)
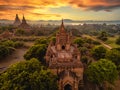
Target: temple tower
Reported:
point(24, 24)
point(17, 21)
point(63, 58)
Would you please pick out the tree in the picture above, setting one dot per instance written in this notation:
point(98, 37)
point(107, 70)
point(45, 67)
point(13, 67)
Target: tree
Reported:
point(102, 71)
point(103, 36)
point(98, 52)
point(118, 40)
point(79, 42)
point(41, 41)
point(28, 75)
point(36, 51)
point(114, 56)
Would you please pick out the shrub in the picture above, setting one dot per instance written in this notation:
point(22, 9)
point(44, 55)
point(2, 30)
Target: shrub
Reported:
point(4, 51)
point(36, 51)
point(18, 44)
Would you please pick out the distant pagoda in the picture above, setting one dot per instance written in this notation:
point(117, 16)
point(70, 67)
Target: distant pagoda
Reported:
point(24, 24)
point(17, 21)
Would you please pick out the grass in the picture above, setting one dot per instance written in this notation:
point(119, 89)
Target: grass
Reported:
point(111, 42)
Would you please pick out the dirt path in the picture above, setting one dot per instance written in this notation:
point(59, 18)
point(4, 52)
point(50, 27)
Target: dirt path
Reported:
point(15, 57)
point(95, 39)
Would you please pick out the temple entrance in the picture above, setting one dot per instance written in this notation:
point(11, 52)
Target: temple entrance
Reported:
point(63, 47)
point(67, 87)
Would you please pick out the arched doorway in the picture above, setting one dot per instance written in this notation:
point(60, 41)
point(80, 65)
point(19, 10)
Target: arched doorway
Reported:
point(63, 47)
point(67, 87)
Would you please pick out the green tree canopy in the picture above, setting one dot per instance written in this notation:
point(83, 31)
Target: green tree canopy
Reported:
point(103, 70)
point(42, 41)
point(98, 52)
point(36, 51)
point(79, 41)
point(103, 36)
point(28, 75)
point(118, 40)
point(114, 56)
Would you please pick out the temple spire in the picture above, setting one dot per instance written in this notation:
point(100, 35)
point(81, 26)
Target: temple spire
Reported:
point(24, 24)
point(62, 28)
point(23, 20)
point(17, 21)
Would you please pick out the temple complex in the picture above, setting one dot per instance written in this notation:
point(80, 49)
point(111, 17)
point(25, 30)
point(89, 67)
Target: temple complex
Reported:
point(21, 25)
point(63, 58)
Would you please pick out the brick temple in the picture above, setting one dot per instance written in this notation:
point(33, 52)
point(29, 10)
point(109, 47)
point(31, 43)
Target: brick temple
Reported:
point(63, 58)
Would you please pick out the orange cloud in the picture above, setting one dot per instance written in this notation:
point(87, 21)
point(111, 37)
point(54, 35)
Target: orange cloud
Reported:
point(40, 7)
point(87, 4)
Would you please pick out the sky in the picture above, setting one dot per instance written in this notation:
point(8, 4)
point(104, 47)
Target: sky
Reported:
point(58, 9)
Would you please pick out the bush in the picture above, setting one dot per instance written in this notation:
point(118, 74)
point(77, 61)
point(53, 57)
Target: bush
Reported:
point(18, 44)
point(8, 46)
point(36, 51)
point(8, 43)
point(4, 51)
point(41, 41)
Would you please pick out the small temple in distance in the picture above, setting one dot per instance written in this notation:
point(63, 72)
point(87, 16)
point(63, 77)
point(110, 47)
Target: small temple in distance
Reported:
point(22, 25)
point(63, 59)
point(17, 21)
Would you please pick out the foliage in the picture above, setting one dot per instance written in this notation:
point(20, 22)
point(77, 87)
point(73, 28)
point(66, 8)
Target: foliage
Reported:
point(79, 41)
point(20, 32)
point(96, 42)
point(98, 52)
point(41, 41)
point(18, 44)
point(114, 56)
point(53, 39)
point(84, 59)
point(101, 71)
point(8, 46)
point(84, 50)
point(103, 36)
point(10, 43)
point(28, 75)
point(4, 51)
point(118, 40)
point(36, 51)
